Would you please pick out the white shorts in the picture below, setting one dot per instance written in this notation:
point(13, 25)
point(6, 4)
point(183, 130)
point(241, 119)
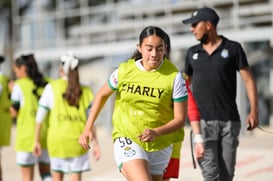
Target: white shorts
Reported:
point(28, 159)
point(70, 165)
point(126, 150)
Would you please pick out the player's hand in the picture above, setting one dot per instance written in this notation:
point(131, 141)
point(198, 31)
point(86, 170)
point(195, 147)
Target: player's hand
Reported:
point(37, 150)
point(85, 140)
point(148, 135)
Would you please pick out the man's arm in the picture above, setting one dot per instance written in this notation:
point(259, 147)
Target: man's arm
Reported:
point(247, 76)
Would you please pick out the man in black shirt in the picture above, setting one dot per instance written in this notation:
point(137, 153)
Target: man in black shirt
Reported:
point(211, 68)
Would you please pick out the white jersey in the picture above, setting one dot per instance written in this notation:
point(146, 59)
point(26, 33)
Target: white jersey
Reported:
point(17, 94)
point(45, 103)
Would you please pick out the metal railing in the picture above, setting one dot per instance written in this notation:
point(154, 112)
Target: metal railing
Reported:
point(121, 22)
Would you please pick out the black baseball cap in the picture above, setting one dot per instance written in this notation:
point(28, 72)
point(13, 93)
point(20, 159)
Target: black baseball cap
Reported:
point(203, 14)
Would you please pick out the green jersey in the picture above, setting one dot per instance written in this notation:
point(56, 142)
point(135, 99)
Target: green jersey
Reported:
point(144, 100)
point(66, 123)
point(25, 121)
point(5, 119)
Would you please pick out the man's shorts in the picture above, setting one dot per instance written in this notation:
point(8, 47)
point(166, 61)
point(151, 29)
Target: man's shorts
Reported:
point(126, 150)
point(70, 165)
point(28, 159)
